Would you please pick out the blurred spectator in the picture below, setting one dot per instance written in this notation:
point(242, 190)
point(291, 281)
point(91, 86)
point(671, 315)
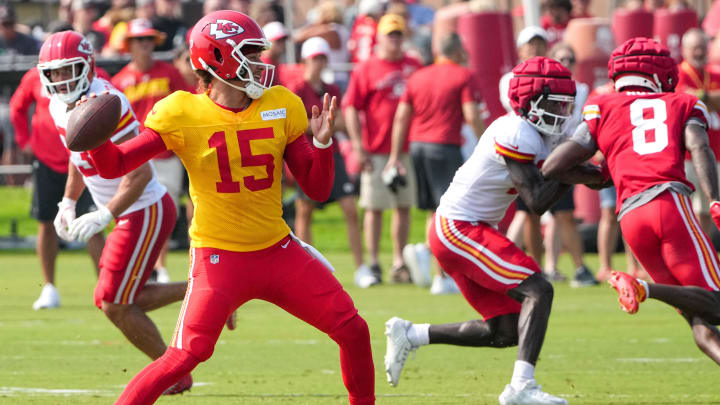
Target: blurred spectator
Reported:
point(311, 88)
point(168, 20)
point(581, 9)
point(64, 21)
point(13, 42)
point(363, 34)
point(84, 14)
point(562, 226)
point(181, 61)
point(278, 36)
point(694, 78)
point(329, 27)
point(50, 168)
point(146, 81)
point(430, 116)
point(113, 24)
point(555, 19)
point(266, 11)
point(373, 94)
point(242, 6)
point(210, 6)
point(145, 9)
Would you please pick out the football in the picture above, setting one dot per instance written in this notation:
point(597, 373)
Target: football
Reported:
point(91, 123)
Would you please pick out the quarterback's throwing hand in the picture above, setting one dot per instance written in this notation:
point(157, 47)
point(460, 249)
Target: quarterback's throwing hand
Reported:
point(322, 122)
point(715, 212)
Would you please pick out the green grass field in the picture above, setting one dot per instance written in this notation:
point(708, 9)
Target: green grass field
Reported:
point(593, 354)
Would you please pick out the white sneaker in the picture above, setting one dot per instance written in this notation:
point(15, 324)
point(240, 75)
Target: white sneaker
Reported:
point(364, 277)
point(162, 275)
point(443, 285)
point(49, 298)
point(528, 394)
point(417, 258)
point(398, 348)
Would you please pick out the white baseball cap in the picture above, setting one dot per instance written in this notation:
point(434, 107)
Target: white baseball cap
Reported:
point(528, 33)
point(313, 47)
point(275, 31)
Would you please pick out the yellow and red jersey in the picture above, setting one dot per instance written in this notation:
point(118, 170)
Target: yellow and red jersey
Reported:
point(234, 161)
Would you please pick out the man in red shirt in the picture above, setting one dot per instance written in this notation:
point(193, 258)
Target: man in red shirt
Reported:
point(363, 35)
point(50, 168)
point(644, 131)
point(311, 89)
point(374, 91)
point(555, 20)
point(437, 100)
point(693, 78)
point(146, 81)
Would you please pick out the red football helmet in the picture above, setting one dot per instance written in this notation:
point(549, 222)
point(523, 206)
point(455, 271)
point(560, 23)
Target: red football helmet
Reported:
point(643, 62)
point(216, 43)
point(67, 48)
point(539, 79)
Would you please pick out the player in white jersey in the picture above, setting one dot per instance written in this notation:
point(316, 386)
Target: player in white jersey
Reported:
point(144, 212)
point(498, 279)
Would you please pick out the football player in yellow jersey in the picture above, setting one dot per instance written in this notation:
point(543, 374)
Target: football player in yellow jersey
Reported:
point(233, 139)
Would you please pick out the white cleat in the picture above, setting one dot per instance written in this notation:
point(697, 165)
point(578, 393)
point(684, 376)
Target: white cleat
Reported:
point(398, 348)
point(163, 276)
point(444, 285)
point(49, 298)
point(364, 277)
point(529, 394)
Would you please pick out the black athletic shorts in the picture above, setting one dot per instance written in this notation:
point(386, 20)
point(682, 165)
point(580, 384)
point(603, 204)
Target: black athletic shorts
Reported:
point(342, 185)
point(565, 203)
point(48, 190)
point(435, 166)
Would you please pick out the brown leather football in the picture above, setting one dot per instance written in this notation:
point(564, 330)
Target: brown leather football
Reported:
point(91, 123)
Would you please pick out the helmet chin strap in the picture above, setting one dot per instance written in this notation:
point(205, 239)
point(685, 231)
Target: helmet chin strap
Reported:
point(252, 90)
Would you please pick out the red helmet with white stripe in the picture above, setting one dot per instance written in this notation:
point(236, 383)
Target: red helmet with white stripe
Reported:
point(542, 92)
point(61, 49)
point(643, 62)
point(217, 43)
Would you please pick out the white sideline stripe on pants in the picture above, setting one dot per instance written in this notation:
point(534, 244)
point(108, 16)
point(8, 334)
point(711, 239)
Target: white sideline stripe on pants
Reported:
point(133, 258)
point(181, 318)
point(696, 242)
point(473, 259)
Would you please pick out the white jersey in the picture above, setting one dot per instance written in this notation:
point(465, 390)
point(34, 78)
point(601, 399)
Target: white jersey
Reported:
point(103, 190)
point(482, 189)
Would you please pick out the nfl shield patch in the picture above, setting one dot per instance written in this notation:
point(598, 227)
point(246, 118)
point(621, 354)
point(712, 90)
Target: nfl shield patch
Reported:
point(214, 259)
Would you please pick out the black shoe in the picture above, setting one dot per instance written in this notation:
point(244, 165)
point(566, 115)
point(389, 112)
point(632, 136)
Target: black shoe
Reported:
point(583, 278)
point(153, 276)
point(401, 275)
point(377, 271)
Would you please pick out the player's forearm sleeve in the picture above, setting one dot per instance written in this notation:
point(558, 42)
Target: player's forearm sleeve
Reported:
point(313, 168)
point(112, 161)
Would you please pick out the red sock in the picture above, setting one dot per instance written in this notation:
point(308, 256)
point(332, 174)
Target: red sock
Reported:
point(153, 380)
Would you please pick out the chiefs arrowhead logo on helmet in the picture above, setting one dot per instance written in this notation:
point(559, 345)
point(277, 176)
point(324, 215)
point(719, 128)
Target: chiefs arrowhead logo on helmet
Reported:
point(85, 47)
point(222, 29)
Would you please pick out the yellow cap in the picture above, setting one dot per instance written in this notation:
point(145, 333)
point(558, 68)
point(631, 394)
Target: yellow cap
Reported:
point(391, 23)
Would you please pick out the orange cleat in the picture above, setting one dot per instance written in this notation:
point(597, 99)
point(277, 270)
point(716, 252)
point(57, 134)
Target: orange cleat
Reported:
point(181, 386)
point(630, 292)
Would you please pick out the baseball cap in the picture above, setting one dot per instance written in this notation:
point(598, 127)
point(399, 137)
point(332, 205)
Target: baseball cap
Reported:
point(528, 33)
point(140, 28)
point(391, 23)
point(313, 47)
point(275, 31)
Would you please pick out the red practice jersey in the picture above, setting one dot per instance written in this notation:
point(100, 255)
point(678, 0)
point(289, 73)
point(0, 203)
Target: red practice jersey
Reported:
point(642, 136)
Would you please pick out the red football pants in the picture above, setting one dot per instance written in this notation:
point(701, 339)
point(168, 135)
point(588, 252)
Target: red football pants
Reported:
point(668, 241)
point(482, 261)
point(283, 274)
